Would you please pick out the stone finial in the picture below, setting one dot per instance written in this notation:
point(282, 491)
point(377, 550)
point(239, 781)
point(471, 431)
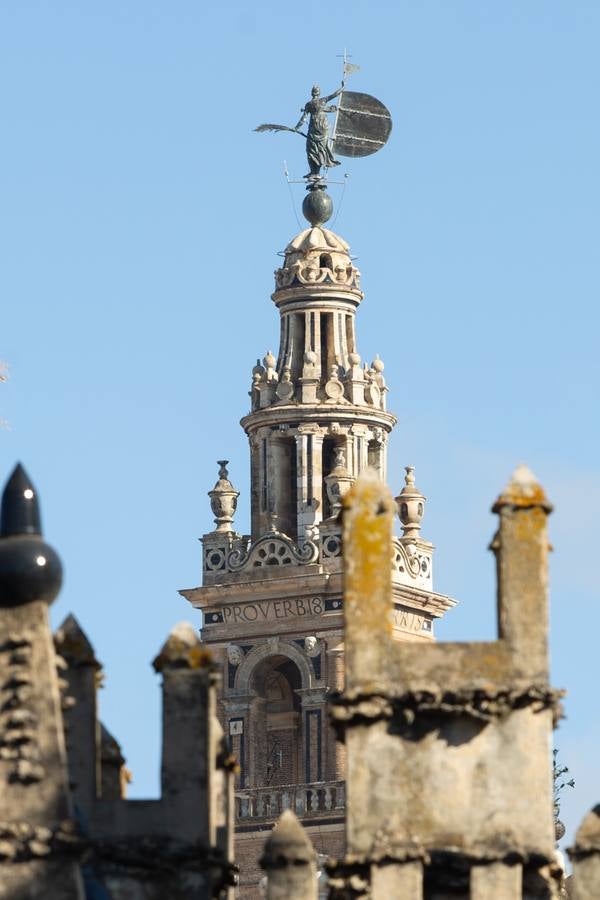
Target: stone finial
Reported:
point(270, 362)
point(29, 568)
point(523, 491)
point(182, 650)
point(411, 505)
point(377, 367)
point(73, 644)
point(223, 499)
point(338, 482)
point(290, 861)
point(20, 508)
point(258, 369)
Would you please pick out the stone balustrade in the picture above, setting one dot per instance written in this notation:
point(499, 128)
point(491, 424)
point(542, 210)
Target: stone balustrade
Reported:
point(306, 800)
point(225, 556)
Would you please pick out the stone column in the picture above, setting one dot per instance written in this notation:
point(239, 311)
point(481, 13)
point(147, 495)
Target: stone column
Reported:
point(317, 476)
point(314, 726)
point(402, 880)
point(521, 548)
point(336, 751)
point(309, 453)
point(495, 880)
point(359, 438)
point(367, 535)
point(191, 736)
point(254, 446)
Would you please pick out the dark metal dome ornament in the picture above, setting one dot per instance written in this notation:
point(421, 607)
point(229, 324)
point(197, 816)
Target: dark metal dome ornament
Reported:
point(362, 126)
point(29, 568)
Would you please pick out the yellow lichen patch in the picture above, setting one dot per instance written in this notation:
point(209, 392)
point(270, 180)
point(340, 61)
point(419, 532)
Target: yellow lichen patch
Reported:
point(523, 491)
point(183, 649)
point(368, 518)
point(200, 658)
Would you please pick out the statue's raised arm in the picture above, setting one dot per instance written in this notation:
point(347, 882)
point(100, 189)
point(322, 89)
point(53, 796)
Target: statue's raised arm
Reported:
point(335, 93)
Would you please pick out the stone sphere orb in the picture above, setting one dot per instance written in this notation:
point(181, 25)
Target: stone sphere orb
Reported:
point(317, 206)
point(29, 570)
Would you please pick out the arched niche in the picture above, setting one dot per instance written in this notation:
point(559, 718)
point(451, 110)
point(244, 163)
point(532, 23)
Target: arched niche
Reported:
point(245, 672)
point(273, 674)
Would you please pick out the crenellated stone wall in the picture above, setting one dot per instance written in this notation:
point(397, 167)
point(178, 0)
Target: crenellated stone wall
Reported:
point(449, 773)
point(66, 830)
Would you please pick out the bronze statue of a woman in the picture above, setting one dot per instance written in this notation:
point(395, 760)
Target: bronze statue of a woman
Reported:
point(318, 150)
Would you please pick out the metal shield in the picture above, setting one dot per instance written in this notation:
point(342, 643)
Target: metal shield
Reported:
point(363, 125)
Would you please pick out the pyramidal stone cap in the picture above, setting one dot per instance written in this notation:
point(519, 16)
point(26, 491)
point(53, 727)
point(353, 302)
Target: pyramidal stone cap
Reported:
point(287, 843)
point(29, 568)
point(523, 491)
point(73, 644)
point(183, 650)
point(587, 839)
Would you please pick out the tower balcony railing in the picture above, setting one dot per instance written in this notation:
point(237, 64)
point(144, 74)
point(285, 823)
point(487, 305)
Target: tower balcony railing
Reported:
point(319, 799)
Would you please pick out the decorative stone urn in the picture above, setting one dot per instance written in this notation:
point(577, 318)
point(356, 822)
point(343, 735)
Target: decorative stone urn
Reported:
point(338, 482)
point(223, 499)
point(411, 505)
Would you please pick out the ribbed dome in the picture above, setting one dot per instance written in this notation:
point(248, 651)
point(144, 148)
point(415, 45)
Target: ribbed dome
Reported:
point(317, 256)
point(316, 238)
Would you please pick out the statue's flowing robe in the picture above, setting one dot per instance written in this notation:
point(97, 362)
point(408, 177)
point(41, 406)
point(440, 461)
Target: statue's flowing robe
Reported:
point(317, 148)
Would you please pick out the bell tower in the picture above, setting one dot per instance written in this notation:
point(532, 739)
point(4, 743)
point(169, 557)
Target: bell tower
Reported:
point(272, 599)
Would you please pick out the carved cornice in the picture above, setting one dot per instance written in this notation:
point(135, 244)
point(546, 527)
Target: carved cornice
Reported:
point(324, 414)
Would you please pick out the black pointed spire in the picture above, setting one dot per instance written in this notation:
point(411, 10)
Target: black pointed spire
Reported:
point(29, 568)
point(20, 508)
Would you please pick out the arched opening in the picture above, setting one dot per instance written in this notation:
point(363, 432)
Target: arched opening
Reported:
point(276, 722)
point(330, 445)
point(375, 456)
point(284, 490)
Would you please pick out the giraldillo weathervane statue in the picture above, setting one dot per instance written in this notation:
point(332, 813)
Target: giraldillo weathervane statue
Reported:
point(318, 150)
point(362, 126)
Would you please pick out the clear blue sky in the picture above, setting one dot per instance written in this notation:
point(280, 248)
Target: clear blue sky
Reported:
point(139, 221)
